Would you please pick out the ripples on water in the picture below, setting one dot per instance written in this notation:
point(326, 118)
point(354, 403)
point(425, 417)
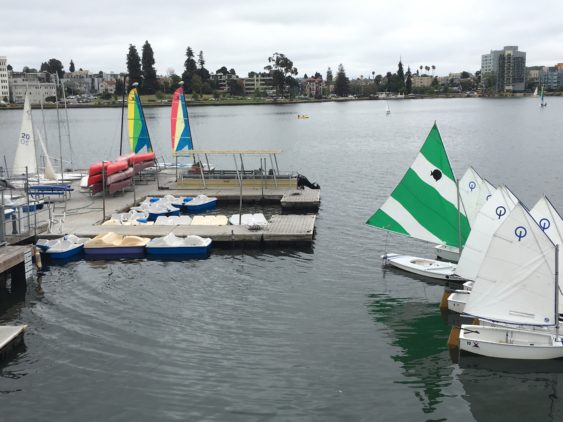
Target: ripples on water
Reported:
point(320, 333)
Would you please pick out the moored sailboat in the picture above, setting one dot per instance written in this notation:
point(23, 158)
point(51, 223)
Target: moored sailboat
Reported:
point(424, 205)
point(517, 290)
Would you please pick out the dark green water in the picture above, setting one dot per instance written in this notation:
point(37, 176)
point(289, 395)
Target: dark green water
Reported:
point(313, 334)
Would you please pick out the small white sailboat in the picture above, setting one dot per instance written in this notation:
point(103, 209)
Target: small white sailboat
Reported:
point(474, 192)
point(489, 217)
point(535, 94)
point(387, 109)
point(424, 205)
point(517, 290)
point(26, 156)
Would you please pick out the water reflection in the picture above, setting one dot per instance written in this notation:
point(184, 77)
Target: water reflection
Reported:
point(420, 334)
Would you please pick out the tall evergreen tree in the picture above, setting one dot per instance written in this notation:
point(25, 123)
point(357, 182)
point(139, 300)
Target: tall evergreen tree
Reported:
point(71, 66)
point(408, 82)
point(150, 83)
point(133, 65)
point(190, 67)
point(342, 84)
point(202, 71)
point(329, 79)
point(400, 71)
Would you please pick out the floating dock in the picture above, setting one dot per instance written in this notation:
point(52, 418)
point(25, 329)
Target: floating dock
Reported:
point(282, 229)
point(16, 260)
point(10, 337)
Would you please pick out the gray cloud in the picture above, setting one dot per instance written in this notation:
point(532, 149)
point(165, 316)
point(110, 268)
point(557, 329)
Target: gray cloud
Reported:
point(364, 36)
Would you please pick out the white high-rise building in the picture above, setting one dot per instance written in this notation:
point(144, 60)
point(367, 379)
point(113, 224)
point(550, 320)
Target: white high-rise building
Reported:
point(4, 88)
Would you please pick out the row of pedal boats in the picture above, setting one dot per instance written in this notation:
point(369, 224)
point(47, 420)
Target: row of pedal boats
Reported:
point(116, 246)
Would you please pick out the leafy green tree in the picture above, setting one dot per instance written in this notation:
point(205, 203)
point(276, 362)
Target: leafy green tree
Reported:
point(9, 67)
point(133, 65)
point(279, 67)
point(190, 67)
point(196, 84)
point(71, 66)
point(232, 71)
point(465, 75)
point(235, 87)
point(150, 83)
point(342, 84)
point(55, 65)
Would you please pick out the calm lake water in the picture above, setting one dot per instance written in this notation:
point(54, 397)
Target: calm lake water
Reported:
point(283, 334)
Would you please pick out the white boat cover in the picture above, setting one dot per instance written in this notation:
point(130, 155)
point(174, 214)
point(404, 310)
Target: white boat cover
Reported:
point(210, 220)
point(488, 219)
point(201, 199)
point(171, 241)
point(257, 219)
point(172, 220)
point(516, 282)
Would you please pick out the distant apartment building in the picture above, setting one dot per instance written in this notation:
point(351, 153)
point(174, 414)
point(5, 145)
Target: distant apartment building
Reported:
point(506, 67)
point(108, 86)
point(257, 83)
point(551, 77)
point(4, 87)
point(313, 87)
point(79, 82)
point(37, 84)
point(221, 80)
point(421, 81)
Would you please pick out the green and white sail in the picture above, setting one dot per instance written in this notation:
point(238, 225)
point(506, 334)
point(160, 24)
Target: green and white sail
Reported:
point(424, 205)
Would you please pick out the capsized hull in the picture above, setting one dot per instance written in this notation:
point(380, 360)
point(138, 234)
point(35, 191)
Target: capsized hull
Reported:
point(510, 343)
point(422, 266)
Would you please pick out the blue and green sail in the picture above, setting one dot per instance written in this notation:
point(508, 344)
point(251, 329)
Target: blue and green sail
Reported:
point(138, 131)
point(424, 203)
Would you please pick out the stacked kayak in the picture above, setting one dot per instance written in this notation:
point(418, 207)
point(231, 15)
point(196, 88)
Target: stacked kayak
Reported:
point(117, 174)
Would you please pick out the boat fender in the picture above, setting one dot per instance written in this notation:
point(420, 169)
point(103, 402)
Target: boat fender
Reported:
point(37, 255)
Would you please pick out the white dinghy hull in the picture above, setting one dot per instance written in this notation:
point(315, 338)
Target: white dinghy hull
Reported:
point(422, 266)
point(457, 300)
point(447, 253)
point(510, 343)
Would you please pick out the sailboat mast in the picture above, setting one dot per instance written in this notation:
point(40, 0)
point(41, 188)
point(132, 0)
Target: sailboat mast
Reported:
point(458, 216)
point(557, 289)
point(59, 125)
point(67, 126)
point(122, 113)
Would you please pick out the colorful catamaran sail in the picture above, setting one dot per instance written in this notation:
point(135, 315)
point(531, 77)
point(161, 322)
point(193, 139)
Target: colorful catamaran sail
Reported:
point(138, 131)
point(179, 122)
point(424, 203)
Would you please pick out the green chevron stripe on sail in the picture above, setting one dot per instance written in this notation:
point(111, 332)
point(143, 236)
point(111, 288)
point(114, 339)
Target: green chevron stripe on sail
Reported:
point(424, 203)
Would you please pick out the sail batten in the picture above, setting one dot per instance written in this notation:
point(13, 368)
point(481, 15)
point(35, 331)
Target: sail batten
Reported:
point(138, 131)
point(180, 124)
point(424, 203)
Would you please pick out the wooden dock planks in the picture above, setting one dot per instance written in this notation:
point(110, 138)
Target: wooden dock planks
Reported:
point(282, 229)
point(11, 256)
point(301, 199)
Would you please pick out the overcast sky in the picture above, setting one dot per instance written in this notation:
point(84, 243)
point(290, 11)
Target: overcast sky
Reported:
point(364, 36)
